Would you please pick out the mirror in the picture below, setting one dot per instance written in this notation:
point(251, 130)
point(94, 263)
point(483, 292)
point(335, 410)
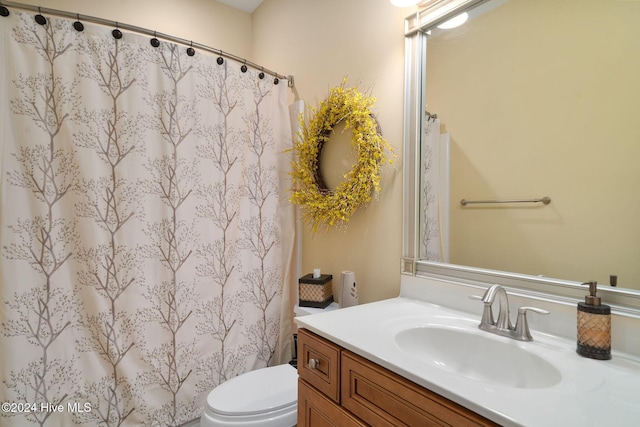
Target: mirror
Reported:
point(539, 99)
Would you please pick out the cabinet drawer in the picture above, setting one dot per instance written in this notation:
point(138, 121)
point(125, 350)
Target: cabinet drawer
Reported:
point(319, 363)
point(315, 410)
point(382, 398)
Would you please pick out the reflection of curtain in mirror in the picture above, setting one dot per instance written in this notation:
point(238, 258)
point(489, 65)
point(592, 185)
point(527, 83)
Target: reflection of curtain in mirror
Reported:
point(434, 194)
point(143, 256)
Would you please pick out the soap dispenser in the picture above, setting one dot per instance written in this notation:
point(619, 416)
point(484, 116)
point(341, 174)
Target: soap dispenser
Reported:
point(594, 326)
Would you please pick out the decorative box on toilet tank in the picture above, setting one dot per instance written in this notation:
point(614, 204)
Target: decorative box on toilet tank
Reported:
point(315, 292)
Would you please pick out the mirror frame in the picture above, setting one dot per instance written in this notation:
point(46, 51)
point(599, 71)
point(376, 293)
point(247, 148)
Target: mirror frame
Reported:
point(623, 301)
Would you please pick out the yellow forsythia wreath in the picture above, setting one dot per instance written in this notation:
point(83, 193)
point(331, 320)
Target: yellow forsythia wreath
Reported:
point(322, 207)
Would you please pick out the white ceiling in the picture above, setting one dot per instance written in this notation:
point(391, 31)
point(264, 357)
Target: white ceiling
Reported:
point(246, 5)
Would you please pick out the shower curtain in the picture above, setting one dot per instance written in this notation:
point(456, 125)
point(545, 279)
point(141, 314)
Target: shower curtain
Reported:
point(144, 226)
point(434, 187)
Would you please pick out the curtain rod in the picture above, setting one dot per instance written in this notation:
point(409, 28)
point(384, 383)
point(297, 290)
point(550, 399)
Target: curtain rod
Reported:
point(146, 31)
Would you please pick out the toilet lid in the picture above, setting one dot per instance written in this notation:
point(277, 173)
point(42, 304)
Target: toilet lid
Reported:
point(255, 392)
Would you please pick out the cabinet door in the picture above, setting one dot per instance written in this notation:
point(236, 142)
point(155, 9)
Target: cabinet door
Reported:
point(319, 363)
point(315, 410)
point(382, 398)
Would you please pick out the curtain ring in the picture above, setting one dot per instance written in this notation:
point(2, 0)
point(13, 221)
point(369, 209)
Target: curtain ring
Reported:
point(117, 34)
point(244, 67)
point(261, 75)
point(4, 11)
point(154, 41)
point(190, 50)
point(41, 19)
point(220, 59)
point(78, 25)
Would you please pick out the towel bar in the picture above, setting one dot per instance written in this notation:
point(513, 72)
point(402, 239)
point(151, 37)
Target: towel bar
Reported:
point(546, 200)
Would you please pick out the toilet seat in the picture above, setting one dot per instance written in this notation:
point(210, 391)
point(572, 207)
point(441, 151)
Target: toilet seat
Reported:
point(253, 398)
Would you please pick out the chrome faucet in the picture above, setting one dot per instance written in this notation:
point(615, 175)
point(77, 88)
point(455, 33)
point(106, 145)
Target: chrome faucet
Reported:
point(504, 319)
point(503, 325)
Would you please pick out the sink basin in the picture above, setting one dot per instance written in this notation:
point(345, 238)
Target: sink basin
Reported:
point(479, 356)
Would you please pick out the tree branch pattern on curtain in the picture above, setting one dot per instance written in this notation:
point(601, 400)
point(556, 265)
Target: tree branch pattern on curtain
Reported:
point(142, 256)
point(431, 244)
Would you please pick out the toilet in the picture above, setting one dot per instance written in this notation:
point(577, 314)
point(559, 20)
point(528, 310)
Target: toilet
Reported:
point(266, 397)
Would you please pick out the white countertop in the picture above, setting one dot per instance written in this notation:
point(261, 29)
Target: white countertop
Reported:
point(591, 392)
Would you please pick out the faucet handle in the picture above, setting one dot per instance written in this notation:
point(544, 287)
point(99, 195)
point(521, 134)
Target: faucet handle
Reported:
point(524, 310)
point(487, 313)
point(522, 327)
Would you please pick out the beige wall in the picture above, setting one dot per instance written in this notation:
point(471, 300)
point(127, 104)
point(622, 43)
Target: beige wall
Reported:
point(206, 22)
point(320, 42)
point(544, 106)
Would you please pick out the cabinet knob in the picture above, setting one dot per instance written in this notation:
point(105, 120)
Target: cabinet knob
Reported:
point(313, 363)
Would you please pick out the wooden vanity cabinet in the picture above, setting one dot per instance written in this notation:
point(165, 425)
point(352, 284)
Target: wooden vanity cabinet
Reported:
point(339, 388)
point(315, 409)
point(319, 364)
